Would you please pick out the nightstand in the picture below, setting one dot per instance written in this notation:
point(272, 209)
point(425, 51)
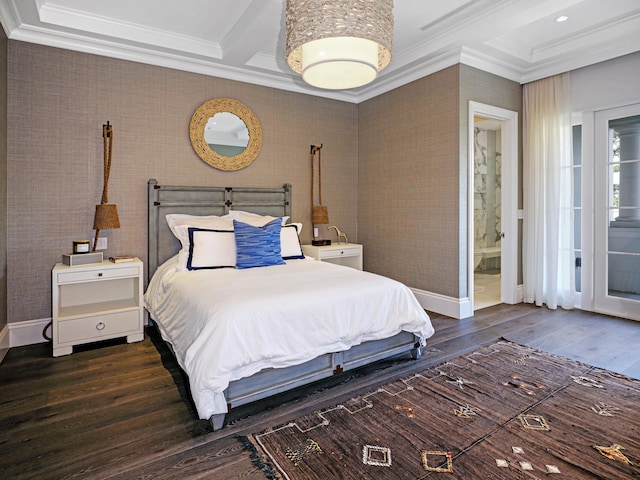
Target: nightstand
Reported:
point(96, 302)
point(347, 254)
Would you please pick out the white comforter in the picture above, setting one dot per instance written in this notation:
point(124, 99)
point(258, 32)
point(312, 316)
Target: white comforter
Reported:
point(226, 324)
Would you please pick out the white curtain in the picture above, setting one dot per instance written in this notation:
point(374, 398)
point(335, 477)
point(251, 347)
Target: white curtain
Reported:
point(548, 255)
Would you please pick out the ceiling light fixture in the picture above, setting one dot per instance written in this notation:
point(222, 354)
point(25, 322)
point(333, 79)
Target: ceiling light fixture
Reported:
point(562, 18)
point(339, 44)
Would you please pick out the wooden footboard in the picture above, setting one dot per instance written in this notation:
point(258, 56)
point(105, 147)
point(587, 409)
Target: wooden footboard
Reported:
point(272, 381)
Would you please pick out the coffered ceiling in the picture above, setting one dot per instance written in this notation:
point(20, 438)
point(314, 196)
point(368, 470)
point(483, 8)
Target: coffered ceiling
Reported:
point(244, 39)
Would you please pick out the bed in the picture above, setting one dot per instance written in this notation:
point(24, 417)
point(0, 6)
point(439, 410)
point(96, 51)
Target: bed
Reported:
point(246, 333)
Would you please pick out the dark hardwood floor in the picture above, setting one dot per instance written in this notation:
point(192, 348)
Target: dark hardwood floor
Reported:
point(120, 410)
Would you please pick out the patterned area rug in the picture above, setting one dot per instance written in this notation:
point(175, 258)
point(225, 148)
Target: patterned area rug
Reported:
point(505, 411)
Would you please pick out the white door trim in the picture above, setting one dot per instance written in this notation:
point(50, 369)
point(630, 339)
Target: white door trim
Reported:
point(602, 301)
point(509, 219)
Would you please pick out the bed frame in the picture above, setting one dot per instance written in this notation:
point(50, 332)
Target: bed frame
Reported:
point(276, 202)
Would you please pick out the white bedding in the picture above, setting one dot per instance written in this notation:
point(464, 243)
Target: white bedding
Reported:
point(226, 324)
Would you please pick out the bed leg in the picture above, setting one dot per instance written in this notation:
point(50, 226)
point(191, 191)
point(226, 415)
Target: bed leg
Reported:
point(217, 421)
point(416, 353)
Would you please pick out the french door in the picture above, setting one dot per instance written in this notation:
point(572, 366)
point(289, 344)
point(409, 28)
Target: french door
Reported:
point(617, 212)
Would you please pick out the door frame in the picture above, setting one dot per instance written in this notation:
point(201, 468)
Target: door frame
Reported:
point(602, 301)
point(509, 199)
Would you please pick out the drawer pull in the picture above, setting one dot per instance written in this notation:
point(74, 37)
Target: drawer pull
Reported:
point(99, 274)
point(100, 326)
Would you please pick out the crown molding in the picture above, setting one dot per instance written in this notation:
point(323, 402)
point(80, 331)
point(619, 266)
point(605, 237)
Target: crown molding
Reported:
point(9, 17)
point(80, 21)
point(134, 53)
point(512, 60)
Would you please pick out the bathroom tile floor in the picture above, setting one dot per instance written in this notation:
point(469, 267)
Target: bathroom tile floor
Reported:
point(486, 290)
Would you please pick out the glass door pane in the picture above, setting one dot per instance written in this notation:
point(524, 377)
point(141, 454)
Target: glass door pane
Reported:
point(577, 203)
point(617, 253)
point(624, 207)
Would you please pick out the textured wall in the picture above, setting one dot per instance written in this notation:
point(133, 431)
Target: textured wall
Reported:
point(394, 167)
point(412, 193)
point(409, 181)
point(58, 102)
point(499, 92)
point(3, 179)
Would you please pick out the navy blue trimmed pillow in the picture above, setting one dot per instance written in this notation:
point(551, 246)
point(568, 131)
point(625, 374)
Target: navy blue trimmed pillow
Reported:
point(290, 243)
point(258, 246)
point(211, 249)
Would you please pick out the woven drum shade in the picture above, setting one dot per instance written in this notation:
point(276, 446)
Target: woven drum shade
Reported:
point(106, 217)
point(339, 44)
point(319, 215)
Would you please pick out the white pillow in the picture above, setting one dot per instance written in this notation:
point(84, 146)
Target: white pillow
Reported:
point(290, 248)
point(182, 233)
point(211, 249)
point(201, 221)
point(179, 224)
point(208, 249)
point(297, 225)
point(253, 219)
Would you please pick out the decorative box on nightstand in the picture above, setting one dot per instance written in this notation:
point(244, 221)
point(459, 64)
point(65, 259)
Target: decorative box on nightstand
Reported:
point(347, 254)
point(95, 302)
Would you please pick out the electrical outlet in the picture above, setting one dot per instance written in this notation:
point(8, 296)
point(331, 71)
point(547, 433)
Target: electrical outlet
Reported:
point(102, 243)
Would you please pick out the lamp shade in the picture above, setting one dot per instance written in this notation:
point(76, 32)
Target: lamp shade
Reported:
point(339, 44)
point(106, 217)
point(319, 215)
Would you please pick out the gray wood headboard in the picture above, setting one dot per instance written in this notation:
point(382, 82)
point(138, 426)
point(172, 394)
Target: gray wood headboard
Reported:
point(166, 199)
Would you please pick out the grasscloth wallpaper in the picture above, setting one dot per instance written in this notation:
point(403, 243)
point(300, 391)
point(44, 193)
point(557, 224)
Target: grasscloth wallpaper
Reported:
point(408, 148)
point(392, 165)
point(58, 101)
point(412, 190)
point(3, 176)
point(499, 92)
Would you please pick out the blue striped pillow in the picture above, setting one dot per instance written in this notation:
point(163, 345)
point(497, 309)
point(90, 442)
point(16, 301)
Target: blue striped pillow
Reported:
point(258, 246)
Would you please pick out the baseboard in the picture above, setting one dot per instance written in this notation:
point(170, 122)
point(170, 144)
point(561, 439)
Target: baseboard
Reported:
point(28, 332)
point(451, 307)
point(4, 342)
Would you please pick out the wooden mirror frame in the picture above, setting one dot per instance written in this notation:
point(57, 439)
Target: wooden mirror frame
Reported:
point(196, 132)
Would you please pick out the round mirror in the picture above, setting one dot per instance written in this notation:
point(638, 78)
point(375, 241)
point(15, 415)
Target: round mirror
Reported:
point(225, 134)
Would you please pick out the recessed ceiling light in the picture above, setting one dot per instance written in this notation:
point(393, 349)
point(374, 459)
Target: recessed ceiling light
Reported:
point(562, 18)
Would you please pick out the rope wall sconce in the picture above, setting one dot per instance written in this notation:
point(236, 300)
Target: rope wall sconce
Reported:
point(106, 214)
point(319, 212)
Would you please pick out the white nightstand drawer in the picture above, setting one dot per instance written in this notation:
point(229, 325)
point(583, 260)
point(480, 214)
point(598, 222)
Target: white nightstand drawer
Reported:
point(98, 326)
point(341, 252)
point(347, 254)
point(98, 274)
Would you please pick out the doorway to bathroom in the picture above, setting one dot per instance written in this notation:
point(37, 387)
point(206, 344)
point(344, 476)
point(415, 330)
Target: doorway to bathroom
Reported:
point(487, 212)
point(493, 187)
